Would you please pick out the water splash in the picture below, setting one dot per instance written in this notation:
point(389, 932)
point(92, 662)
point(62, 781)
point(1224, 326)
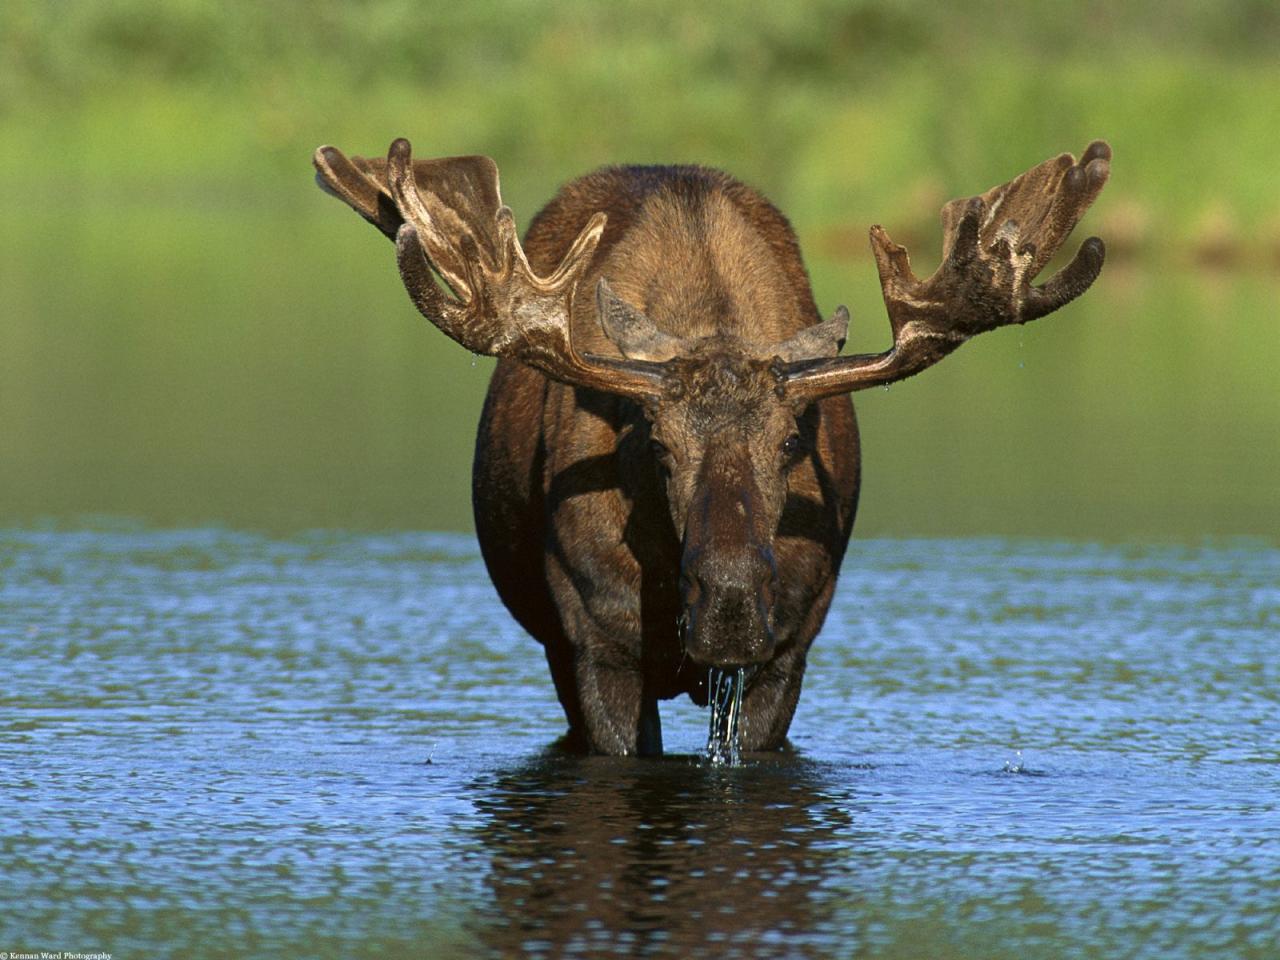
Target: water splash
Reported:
point(725, 697)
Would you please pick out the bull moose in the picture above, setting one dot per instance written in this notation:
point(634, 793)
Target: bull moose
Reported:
point(667, 464)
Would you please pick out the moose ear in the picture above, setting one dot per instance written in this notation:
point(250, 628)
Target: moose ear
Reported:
point(818, 342)
point(631, 331)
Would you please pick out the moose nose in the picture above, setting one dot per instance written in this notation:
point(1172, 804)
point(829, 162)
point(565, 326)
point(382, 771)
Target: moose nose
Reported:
point(728, 607)
point(756, 575)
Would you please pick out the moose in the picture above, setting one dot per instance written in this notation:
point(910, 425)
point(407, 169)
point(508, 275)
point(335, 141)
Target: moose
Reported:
point(667, 463)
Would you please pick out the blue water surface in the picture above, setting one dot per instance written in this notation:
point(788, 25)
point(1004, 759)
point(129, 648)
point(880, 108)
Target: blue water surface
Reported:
point(218, 744)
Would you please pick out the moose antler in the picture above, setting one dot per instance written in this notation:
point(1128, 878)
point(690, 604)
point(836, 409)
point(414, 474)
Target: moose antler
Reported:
point(996, 244)
point(447, 216)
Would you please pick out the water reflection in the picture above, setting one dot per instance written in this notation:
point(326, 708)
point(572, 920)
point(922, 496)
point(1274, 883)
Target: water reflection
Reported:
point(602, 856)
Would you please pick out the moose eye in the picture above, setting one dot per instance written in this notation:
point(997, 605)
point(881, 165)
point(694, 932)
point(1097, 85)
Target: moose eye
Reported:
point(793, 446)
point(659, 451)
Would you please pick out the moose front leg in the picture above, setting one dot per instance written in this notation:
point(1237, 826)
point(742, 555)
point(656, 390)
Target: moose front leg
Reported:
point(617, 716)
point(620, 719)
point(770, 702)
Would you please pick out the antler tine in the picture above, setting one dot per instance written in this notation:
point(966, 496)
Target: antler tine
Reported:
point(996, 244)
point(456, 319)
point(352, 183)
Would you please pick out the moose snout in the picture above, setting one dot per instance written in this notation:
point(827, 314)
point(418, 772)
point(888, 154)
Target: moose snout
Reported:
point(728, 607)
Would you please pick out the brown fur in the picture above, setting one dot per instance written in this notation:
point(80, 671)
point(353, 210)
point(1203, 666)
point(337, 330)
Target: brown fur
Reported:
point(580, 527)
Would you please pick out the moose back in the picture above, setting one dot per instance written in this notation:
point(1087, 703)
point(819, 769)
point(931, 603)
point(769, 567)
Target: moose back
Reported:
point(667, 464)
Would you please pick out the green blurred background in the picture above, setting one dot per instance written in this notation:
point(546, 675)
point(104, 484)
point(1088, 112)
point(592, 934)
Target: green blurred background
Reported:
point(190, 332)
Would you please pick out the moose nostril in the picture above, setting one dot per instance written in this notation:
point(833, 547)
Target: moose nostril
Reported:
point(690, 588)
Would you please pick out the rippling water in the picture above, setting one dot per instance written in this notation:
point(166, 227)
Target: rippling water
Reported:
point(216, 744)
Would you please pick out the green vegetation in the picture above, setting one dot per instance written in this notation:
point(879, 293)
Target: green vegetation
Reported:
point(191, 332)
point(836, 107)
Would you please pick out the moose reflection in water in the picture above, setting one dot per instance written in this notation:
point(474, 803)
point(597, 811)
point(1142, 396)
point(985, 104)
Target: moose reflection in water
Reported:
point(589, 856)
point(667, 465)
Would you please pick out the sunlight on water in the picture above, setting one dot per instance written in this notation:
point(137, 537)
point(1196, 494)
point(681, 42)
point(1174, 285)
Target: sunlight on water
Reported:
point(334, 745)
point(1015, 765)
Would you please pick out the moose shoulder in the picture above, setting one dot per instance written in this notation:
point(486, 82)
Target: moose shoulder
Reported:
point(667, 464)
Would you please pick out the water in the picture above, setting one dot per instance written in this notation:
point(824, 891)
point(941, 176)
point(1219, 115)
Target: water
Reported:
point(725, 705)
point(215, 744)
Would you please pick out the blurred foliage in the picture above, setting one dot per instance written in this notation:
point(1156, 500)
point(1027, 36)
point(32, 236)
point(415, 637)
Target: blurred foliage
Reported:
point(842, 110)
point(193, 332)
point(72, 46)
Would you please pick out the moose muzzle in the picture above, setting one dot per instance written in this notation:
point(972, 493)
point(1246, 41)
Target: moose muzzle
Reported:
point(728, 602)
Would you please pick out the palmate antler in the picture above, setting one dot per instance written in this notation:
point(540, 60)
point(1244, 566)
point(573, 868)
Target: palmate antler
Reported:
point(996, 244)
point(448, 215)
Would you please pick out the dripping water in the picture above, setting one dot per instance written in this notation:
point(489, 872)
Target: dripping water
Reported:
point(725, 698)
